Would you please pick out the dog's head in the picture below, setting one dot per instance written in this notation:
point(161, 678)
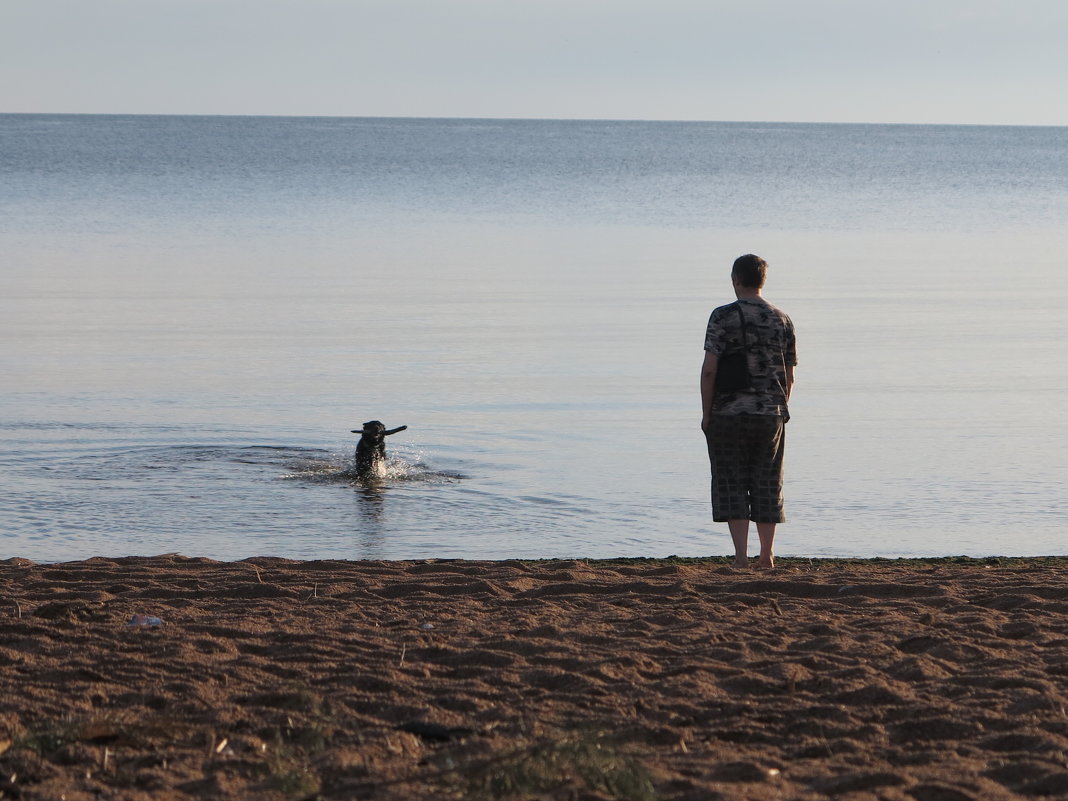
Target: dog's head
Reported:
point(375, 430)
point(372, 429)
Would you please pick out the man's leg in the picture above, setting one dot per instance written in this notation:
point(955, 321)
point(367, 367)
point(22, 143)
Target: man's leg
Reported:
point(730, 501)
point(766, 488)
point(740, 536)
point(766, 532)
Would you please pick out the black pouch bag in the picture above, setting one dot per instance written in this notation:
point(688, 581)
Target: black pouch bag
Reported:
point(732, 371)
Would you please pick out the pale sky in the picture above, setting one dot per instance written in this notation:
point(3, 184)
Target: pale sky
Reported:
point(913, 61)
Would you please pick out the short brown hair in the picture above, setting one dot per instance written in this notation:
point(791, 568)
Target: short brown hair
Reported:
point(751, 271)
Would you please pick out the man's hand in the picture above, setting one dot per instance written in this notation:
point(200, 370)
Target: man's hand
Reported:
point(708, 388)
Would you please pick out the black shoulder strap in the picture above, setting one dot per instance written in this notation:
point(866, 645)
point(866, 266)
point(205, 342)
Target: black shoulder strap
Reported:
point(741, 317)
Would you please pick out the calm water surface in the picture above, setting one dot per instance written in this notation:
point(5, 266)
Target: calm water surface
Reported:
point(196, 310)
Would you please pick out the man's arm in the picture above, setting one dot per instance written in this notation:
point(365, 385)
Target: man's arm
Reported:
point(708, 387)
point(789, 380)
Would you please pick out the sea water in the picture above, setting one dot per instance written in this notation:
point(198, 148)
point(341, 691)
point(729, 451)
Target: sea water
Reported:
point(196, 311)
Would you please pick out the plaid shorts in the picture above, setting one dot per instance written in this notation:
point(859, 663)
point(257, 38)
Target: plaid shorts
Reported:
point(745, 451)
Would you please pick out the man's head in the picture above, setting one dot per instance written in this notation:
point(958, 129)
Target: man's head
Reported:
point(749, 271)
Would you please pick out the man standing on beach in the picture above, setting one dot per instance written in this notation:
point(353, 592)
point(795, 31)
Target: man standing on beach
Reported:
point(745, 427)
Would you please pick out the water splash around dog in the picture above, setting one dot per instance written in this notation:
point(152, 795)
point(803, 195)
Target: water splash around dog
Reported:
point(402, 467)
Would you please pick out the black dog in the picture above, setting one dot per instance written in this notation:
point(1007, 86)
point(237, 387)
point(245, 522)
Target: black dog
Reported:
point(371, 449)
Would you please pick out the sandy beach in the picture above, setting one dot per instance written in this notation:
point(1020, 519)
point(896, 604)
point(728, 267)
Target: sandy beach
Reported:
point(927, 680)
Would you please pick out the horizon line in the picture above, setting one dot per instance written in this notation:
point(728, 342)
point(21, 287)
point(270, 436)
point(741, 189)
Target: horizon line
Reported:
point(523, 119)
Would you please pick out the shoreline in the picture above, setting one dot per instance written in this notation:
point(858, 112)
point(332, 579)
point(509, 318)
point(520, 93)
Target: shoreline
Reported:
point(785, 562)
point(929, 679)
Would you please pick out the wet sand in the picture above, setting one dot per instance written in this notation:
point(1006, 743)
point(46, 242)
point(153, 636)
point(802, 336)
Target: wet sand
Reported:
point(920, 680)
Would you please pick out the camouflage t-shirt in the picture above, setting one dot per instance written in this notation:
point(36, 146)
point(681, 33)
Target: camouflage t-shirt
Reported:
point(770, 335)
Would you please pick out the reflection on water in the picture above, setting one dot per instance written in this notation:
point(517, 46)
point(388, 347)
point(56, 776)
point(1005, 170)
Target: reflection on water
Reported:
point(372, 493)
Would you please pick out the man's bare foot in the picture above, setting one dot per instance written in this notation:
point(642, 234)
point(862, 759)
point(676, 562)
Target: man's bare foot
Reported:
point(766, 563)
point(741, 562)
